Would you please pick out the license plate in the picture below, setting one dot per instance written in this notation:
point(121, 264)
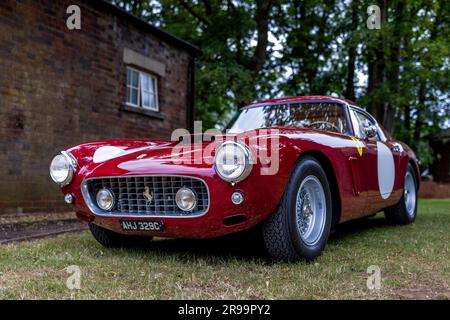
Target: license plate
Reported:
point(137, 225)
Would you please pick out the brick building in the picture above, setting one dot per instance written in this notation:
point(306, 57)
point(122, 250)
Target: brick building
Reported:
point(116, 77)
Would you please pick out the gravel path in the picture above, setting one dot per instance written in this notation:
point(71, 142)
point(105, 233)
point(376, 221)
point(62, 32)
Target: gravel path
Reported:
point(28, 227)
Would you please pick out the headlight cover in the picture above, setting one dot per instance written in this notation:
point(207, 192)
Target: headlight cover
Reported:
point(62, 168)
point(233, 161)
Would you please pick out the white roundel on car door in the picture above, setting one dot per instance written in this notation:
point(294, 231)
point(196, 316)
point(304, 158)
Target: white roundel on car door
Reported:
point(386, 170)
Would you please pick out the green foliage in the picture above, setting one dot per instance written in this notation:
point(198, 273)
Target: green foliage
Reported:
point(268, 48)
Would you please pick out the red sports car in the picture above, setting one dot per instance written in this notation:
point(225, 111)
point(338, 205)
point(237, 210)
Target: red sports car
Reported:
point(293, 167)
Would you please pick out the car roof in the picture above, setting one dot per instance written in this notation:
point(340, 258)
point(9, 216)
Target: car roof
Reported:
point(299, 99)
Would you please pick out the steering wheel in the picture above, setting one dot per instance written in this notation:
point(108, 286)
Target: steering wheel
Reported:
point(329, 124)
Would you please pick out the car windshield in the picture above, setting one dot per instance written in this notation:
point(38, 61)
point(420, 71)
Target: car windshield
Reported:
point(321, 116)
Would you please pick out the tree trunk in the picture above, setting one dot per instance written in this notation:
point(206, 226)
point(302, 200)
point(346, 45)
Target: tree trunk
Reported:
point(407, 109)
point(350, 87)
point(262, 26)
point(376, 66)
point(406, 105)
point(421, 105)
point(423, 85)
point(394, 67)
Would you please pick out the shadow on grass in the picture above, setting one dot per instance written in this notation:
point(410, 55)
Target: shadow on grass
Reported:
point(351, 228)
point(247, 245)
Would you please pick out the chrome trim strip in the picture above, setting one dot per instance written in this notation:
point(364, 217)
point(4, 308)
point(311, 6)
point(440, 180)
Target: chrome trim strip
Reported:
point(264, 104)
point(92, 207)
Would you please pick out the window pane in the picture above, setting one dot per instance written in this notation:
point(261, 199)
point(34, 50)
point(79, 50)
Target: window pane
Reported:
point(145, 99)
point(141, 89)
point(320, 116)
point(153, 86)
point(153, 102)
point(145, 82)
point(360, 122)
point(133, 96)
point(128, 77)
point(355, 123)
point(133, 78)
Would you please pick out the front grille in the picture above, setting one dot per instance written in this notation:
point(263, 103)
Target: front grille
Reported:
point(130, 200)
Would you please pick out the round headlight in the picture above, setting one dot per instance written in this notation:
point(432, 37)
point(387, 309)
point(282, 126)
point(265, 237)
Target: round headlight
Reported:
point(233, 161)
point(185, 199)
point(105, 199)
point(61, 168)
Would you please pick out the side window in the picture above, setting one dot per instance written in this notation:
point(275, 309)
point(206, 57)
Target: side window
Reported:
point(360, 123)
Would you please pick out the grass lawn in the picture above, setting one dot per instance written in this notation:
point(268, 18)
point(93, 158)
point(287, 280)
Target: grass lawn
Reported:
point(414, 262)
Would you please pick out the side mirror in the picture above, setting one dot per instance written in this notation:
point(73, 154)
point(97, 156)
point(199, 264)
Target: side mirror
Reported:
point(370, 131)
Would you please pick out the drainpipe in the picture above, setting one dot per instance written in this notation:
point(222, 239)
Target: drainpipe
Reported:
point(191, 102)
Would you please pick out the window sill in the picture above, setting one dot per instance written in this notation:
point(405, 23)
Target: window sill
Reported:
point(145, 112)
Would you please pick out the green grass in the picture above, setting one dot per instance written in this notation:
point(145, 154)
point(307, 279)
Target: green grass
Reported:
point(414, 262)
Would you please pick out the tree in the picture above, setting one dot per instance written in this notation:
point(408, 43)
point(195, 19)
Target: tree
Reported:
point(352, 51)
point(234, 40)
point(321, 48)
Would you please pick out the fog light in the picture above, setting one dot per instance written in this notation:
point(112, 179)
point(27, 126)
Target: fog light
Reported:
point(68, 198)
point(237, 197)
point(105, 199)
point(186, 199)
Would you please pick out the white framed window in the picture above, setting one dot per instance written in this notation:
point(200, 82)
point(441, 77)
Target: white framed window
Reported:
point(142, 90)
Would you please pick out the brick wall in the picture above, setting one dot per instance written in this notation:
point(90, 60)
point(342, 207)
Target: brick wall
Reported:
point(60, 87)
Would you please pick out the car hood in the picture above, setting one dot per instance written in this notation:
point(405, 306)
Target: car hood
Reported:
point(135, 157)
point(129, 157)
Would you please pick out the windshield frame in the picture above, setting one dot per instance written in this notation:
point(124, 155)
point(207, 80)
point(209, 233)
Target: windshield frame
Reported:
point(343, 104)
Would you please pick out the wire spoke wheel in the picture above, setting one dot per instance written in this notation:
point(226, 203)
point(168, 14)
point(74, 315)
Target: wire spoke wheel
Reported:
point(310, 210)
point(410, 194)
point(300, 226)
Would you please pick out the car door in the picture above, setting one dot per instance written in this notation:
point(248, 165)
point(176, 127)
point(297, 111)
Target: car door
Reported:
point(378, 164)
point(366, 163)
point(400, 158)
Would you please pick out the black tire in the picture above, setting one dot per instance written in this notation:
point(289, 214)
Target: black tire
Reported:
point(110, 239)
point(280, 232)
point(398, 214)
